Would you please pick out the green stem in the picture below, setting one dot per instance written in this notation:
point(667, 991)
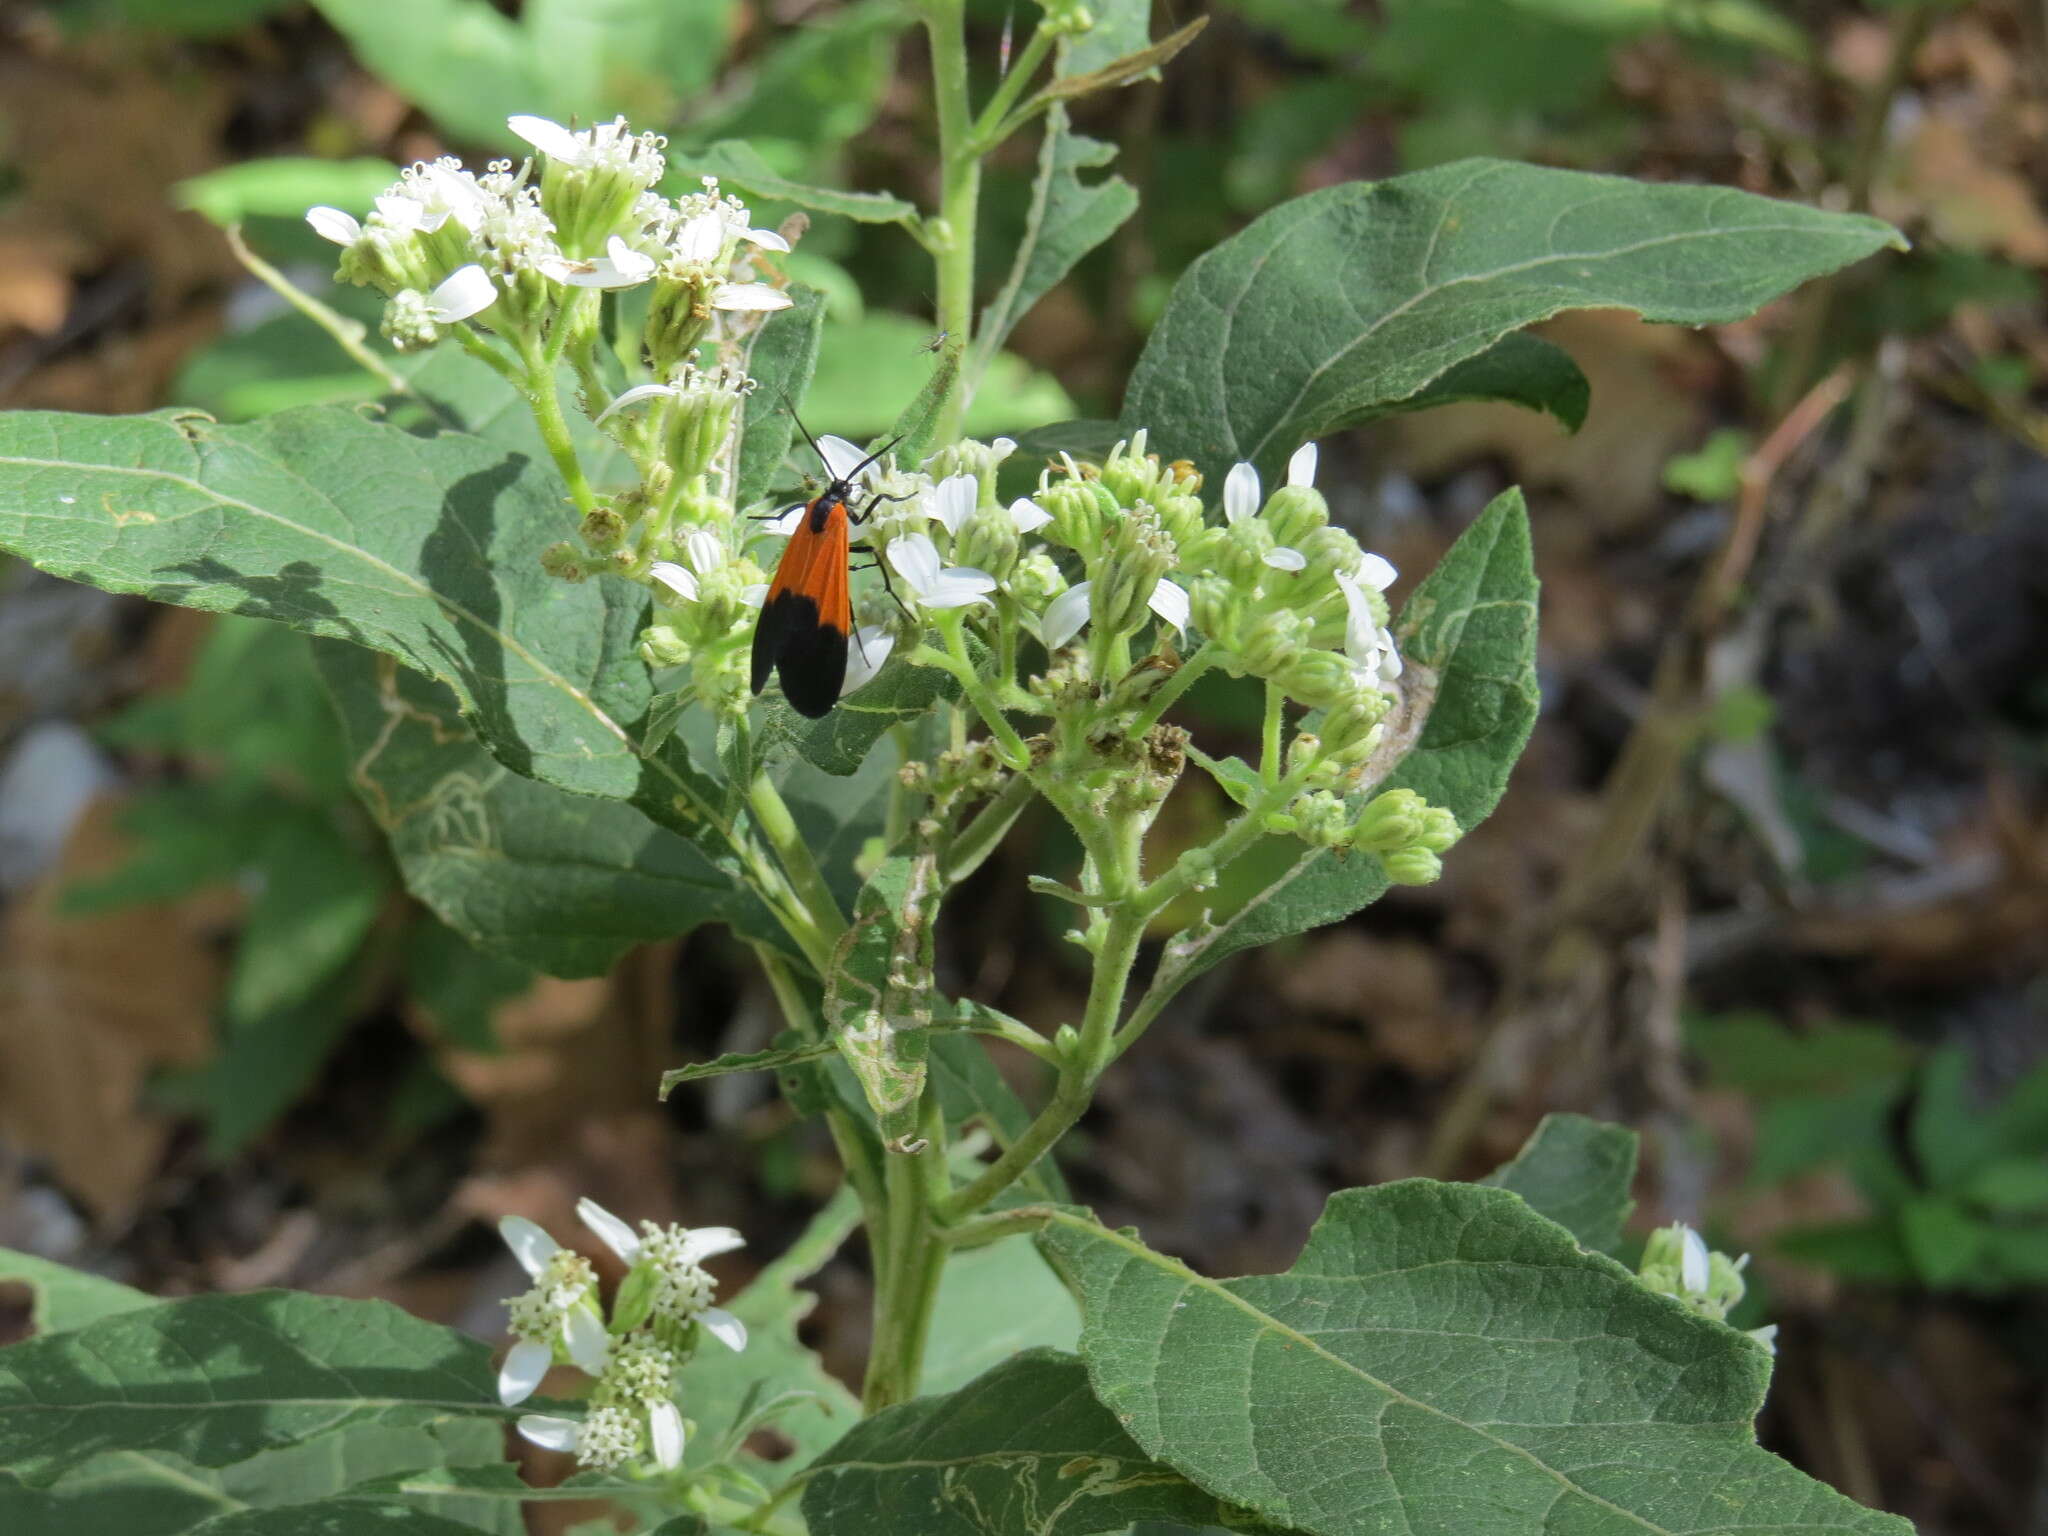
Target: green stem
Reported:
point(959, 195)
point(979, 1231)
point(1169, 692)
point(990, 129)
point(546, 405)
point(1269, 760)
point(955, 660)
point(348, 334)
point(772, 816)
point(489, 356)
point(907, 1278)
point(978, 839)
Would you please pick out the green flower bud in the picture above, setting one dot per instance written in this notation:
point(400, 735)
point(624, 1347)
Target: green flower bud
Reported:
point(409, 322)
point(700, 419)
point(591, 179)
point(1390, 822)
point(1241, 552)
point(1215, 606)
point(1180, 514)
point(662, 646)
point(1329, 550)
point(1276, 641)
point(1140, 554)
point(967, 457)
point(1077, 516)
point(1351, 726)
point(634, 1303)
point(1036, 581)
point(1319, 679)
point(678, 312)
point(1294, 512)
point(603, 527)
point(1320, 819)
point(563, 561)
point(988, 541)
point(1131, 474)
point(1412, 866)
point(1440, 829)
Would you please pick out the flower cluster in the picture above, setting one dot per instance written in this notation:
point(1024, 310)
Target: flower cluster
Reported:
point(662, 1309)
point(1677, 1263)
point(446, 245)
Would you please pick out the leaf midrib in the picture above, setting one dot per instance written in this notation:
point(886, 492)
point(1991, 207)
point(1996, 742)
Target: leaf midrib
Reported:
point(1189, 1278)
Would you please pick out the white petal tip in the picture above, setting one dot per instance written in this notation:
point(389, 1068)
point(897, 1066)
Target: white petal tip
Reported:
point(529, 1242)
point(334, 224)
point(520, 1376)
point(1301, 468)
point(611, 1230)
point(665, 1431)
point(1285, 559)
point(550, 1434)
point(724, 1327)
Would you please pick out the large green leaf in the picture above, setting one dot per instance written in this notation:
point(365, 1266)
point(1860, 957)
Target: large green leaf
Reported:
point(63, 1298)
point(425, 548)
point(1341, 303)
point(563, 883)
point(993, 1302)
point(215, 1379)
point(781, 356)
point(1578, 1172)
point(1468, 638)
point(155, 1493)
point(738, 162)
point(1025, 1448)
point(1439, 1359)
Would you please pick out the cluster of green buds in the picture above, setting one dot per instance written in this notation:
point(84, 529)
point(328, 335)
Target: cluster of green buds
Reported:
point(1677, 1263)
point(510, 248)
point(658, 1317)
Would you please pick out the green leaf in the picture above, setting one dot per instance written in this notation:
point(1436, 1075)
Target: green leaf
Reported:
point(154, 1493)
point(1952, 1134)
point(1855, 1250)
point(457, 985)
point(1468, 637)
point(1339, 304)
point(283, 187)
point(878, 996)
point(66, 1298)
point(1577, 1172)
point(459, 59)
point(260, 1068)
point(1760, 1055)
point(562, 883)
point(1067, 218)
point(1520, 368)
point(320, 893)
point(2017, 1184)
point(842, 740)
point(1439, 1358)
point(743, 1061)
point(870, 368)
point(781, 356)
point(215, 1379)
point(738, 162)
point(775, 1379)
point(1143, 63)
point(1024, 1448)
point(1948, 1244)
point(973, 1092)
point(994, 1302)
point(335, 1517)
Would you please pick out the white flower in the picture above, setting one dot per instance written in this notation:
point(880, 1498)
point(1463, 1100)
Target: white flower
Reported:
point(916, 560)
point(406, 215)
point(665, 1431)
point(634, 396)
point(1241, 501)
point(1301, 467)
point(705, 552)
point(675, 578)
point(1027, 514)
point(464, 292)
point(554, 1309)
point(1375, 571)
point(550, 1433)
point(620, 267)
point(1368, 643)
point(333, 224)
point(608, 146)
point(842, 458)
point(613, 1232)
point(871, 647)
point(724, 1327)
point(748, 297)
point(1066, 614)
point(952, 500)
point(551, 138)
point(529, 1242)
point(1695, 1269)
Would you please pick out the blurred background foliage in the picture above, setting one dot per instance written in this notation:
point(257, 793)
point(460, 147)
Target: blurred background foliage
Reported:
point(1771, 885)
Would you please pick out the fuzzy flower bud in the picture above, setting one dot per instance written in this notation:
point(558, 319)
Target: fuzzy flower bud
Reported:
point(1412, 866)
point(563, 561)
point(591, 179)
point(1180, 514)
point(1320, 679)
point(1294, 512)
point(1275, 642)
point(987, 540)
point(1140, 555)
point(1036, 581)
point(1078, 510)
point(662, 646)
point(1390, 821)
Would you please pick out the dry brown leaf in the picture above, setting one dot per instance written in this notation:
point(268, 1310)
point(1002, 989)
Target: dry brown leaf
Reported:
point(1943, 178)
point(90, 1006)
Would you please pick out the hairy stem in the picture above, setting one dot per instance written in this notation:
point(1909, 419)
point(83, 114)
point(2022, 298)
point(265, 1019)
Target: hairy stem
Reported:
point(778, 826)
point(952, 242)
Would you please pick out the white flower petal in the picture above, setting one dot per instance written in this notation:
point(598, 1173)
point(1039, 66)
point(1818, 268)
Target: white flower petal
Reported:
point(1390, 656)
point(634, 396)
point(952, 500)
point(748, 297)
point(334, 224)
point(1301, 468)
point(550, 1434)
point(1028, 515)
point(551, 138)
point(709, 1242)
point(785, 523)
point(841, 457)
point(1285, 559)
point(958, 586)
point(916, 559)
point(589, 1344)
point(754, 596)
point(1002, 448)
point(678, 580)
point(402, 214)
point(766, 239)
point(529, 1243)
point(704, 550)
point(1766, 1336)
point(871, 647)
point(700, 239)
point(519, 1377)
point(464, 292)
point(1064, 616)
point(1376, 572)
point(665, 1430)
point(1695, 1270)
point(1240, 493)
point(629, 262)
point(615, 1233)
point(1170, 601)
point(1361, 625)
point(724, 1327)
